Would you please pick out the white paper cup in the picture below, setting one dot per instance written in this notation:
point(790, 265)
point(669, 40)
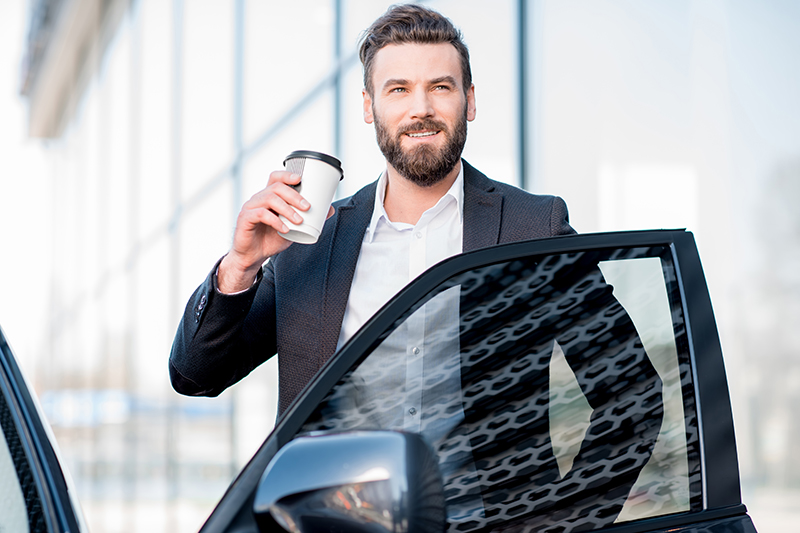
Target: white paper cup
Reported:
point(320, 175)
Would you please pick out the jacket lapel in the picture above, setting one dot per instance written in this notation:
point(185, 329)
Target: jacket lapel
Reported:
point(483, 208)
point(351, 221)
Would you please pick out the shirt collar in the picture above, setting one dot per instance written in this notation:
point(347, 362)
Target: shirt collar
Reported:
point(378, 212)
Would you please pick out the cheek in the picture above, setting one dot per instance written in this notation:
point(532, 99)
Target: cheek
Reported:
point(392, 115)
point(454, 109)
point(390, 121)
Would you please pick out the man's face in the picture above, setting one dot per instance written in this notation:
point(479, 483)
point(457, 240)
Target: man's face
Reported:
point(420, 109)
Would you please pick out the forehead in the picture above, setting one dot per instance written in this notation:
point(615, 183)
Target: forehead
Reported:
point(415, 62)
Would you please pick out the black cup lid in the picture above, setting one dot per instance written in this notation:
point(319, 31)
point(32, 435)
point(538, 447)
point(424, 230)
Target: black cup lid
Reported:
point(325, 158)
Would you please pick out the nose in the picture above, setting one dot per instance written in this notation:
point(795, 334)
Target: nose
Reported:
point(421, 105)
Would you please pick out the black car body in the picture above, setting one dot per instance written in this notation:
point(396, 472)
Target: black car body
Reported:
point(567, 384)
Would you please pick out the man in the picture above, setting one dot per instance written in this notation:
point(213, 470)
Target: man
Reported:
point(429, 204)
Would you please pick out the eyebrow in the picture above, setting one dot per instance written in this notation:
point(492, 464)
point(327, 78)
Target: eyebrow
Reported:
point(435, 81)
point(395, 81)
point(444, 79)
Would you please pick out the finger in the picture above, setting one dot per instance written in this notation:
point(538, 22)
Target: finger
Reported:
point(279, 207)
point(283, 176)
point(331, 211)
point(284, 191)
point(250, 214)
point(292, 197)
point(281, 199)
point(266, 217)
point(289, 192)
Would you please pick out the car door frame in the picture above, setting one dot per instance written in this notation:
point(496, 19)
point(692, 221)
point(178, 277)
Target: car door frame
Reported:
point(60, 508)
point(718, 456)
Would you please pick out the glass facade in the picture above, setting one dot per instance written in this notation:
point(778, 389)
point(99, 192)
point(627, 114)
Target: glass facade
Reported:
point(640, 115)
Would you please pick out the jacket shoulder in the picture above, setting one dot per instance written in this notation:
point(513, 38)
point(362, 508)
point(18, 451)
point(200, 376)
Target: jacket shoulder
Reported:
point(524, 214)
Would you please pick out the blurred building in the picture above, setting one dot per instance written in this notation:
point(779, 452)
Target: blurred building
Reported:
point(160, 118)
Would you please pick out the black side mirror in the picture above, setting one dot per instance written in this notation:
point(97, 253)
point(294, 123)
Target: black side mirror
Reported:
point(361, 481)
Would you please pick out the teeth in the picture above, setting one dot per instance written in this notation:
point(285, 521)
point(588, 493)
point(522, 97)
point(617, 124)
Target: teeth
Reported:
point(424, 134)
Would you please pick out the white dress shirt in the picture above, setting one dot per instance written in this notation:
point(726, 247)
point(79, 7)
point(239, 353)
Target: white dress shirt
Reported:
point(412, 380)
point(394, 253)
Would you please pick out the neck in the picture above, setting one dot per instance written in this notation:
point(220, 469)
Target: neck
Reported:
point(405, 201)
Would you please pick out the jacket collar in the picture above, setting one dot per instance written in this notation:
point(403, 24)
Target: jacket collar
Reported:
point(483, 208)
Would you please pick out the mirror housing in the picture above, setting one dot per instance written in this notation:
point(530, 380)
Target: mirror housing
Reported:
point(361, 481)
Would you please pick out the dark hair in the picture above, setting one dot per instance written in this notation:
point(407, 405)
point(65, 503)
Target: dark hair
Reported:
point(410, 23)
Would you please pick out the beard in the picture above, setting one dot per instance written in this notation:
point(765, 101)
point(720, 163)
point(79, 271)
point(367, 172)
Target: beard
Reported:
point(423, 165)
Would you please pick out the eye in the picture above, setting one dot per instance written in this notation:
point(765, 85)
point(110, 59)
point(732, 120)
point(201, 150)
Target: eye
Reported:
point(398, 90)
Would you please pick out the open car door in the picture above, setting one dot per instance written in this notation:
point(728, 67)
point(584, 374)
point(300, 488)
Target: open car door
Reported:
point(35, 492)
point(566, 384)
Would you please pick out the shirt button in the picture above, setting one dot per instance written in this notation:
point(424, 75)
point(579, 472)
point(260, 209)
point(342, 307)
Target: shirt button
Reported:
point(418, 235)
point(412, 411)
point(415, 350)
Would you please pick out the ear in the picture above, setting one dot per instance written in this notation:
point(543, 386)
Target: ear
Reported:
point(368, 118)
point(471, 103)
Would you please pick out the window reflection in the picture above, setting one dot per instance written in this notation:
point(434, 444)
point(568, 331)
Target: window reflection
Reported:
point(14, 472)
point(552, 410)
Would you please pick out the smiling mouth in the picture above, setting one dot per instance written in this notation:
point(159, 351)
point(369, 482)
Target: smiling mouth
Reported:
point(420, 134)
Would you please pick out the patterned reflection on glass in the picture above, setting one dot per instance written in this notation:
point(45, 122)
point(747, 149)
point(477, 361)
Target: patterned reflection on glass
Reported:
point(19, 499)
point(555, 389)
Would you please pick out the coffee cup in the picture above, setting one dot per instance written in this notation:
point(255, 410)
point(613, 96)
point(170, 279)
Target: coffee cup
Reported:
point(320, 174)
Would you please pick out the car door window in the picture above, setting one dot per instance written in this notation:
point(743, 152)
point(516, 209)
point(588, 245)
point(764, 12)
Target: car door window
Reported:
point(556, 390)
point(18, 495)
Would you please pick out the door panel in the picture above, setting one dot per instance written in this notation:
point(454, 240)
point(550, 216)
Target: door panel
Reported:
point(572, 383)
point(552, 398)
point(18, 497)
point(34, 495)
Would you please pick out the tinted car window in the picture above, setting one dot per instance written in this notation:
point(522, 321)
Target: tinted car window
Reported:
point(555, 389)
point(32, 485)
point(18, 496)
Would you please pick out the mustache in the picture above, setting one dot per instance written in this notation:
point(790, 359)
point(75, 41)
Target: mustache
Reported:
point(426, 124)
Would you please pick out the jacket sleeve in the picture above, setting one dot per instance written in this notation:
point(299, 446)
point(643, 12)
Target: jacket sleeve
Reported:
point(223, 337)
point(559, 218)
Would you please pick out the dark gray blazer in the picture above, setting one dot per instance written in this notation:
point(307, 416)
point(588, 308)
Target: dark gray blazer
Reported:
point(296, 307)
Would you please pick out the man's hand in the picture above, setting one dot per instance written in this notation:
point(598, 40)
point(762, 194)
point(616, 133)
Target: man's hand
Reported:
point(258, 234)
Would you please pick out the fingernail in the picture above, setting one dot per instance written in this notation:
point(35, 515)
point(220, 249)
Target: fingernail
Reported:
point(304, 204)
point(297, 218)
